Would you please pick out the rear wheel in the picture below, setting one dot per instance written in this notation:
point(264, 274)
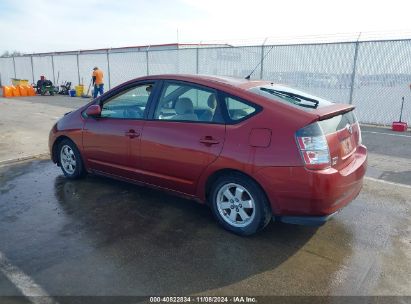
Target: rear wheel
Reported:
point(70, 159)
point(239, 204)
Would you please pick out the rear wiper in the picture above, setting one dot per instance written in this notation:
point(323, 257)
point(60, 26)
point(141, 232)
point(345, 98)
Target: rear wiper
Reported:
point(296, 97)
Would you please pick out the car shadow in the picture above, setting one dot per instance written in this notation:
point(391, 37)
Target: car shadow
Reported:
point(165, 244)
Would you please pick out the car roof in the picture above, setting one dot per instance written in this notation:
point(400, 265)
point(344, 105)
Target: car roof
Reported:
point(231, 85)
point(212, 80)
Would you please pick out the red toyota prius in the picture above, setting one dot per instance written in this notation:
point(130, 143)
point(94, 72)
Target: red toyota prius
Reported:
point(252, 150)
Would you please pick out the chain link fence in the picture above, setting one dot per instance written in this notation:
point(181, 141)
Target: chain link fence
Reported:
point(372, 75)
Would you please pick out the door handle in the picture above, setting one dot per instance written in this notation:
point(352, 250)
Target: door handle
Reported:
point(209, 140)
point(132, 133)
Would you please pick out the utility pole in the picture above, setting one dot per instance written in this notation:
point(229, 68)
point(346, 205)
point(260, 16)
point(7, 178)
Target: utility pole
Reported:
point(14, 67)
point(354, 70)
point(32, 68)
point(78, 67)
point(108, 69)
point(52, 67)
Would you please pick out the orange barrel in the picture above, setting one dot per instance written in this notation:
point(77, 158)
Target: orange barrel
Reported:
point(15, 90)
point(30, 91)
point(23, 90)
point(7, 92)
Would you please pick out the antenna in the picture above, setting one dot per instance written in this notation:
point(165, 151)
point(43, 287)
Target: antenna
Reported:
point(262, 59)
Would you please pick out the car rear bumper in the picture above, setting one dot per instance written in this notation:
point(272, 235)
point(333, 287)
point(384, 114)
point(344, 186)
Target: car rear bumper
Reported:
point(306, 196)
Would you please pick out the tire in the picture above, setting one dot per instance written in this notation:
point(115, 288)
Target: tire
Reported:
point(230, 194)
point(70, 160)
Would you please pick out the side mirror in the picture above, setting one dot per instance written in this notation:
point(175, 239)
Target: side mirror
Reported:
point(93, 111)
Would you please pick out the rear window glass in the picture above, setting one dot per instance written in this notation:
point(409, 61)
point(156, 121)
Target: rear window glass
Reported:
point(338, 122)
point(291, 97)
point(238, 110)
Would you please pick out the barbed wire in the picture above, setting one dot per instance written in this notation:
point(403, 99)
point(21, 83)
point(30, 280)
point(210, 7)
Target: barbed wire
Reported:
point(313, 39)
point(256, 41)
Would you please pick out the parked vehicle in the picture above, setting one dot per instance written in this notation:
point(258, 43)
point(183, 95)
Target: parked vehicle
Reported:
point(252, 150)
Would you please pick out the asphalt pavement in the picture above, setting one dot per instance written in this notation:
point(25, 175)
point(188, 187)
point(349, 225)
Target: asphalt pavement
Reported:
point(99, 237)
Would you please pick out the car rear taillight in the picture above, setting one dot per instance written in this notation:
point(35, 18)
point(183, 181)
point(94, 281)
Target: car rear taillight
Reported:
point(313, 147)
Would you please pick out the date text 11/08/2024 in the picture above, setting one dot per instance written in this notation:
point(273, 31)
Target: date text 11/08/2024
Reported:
point(203, 299)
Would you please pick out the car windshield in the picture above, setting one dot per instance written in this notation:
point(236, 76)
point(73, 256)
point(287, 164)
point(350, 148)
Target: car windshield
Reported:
point(291, 96)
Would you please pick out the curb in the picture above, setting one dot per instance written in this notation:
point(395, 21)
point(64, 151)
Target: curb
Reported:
point(22, 159)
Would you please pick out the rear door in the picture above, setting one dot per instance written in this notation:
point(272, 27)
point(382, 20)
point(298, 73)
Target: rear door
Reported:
point(185, 134)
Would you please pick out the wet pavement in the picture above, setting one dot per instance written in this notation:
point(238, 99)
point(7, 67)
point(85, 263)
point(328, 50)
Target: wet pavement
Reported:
point(97, 236)
point(389, 154)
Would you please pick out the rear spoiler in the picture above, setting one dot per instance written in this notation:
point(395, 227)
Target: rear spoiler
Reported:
point(333, 110)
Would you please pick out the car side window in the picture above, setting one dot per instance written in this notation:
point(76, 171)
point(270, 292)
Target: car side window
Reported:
point(184, 102)
point(238, 110)
point(130, 104)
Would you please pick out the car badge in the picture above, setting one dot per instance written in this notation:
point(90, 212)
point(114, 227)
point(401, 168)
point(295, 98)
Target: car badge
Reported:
point(349, 128)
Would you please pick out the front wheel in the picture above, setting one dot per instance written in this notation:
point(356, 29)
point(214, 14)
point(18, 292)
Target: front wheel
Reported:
point(70, 160)
point(239, 204)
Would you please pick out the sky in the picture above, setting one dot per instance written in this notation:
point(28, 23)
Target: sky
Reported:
point(53, 25)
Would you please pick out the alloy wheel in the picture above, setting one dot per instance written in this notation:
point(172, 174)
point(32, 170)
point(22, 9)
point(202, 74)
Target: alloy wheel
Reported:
point(236, 205)
point(68, 159)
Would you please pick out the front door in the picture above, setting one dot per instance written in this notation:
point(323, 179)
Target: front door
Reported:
point(109, 139)
point(186, 134)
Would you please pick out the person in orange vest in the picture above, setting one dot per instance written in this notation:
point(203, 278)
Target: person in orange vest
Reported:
point(98, 81)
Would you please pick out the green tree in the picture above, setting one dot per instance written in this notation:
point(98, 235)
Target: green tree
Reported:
point(9, 54)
